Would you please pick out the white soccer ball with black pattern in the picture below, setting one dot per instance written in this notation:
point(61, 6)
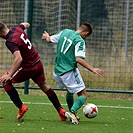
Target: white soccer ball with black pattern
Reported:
point(90, 110)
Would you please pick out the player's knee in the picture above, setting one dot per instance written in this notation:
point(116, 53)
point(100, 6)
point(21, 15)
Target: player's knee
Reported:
point(44, 86)
point(83, 93)
point(7, 86)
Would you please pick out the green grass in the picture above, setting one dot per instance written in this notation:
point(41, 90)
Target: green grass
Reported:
point(43, 118)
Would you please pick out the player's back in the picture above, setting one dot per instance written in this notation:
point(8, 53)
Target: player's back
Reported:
point(67, 40)
point(21, 42)
point(69, 34)
point(65, 56)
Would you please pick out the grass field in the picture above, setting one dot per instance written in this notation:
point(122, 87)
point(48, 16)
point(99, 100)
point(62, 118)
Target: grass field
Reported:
point(115, 116)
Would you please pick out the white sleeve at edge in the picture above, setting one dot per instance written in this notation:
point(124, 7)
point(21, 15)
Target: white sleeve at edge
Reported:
point(55, 38)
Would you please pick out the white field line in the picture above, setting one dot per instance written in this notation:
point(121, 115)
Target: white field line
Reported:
point(101, 106)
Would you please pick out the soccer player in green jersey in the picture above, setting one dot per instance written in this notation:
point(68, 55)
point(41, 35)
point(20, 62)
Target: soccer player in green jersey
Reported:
point(70, 52)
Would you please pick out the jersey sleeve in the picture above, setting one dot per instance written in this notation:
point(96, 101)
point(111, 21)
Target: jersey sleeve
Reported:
point(12, 47)
point(55, 38)
point(80, 49)
point(22, 26)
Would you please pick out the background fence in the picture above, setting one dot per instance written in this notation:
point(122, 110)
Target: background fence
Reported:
point(109, 47)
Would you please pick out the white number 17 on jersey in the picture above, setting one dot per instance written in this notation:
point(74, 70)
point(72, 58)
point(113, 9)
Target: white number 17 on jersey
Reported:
point(69, 45)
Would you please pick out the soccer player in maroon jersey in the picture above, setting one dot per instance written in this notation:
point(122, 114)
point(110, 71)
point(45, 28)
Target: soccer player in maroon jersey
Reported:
point(26, 65)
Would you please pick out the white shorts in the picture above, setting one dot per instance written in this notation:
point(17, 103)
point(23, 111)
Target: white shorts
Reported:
point(72, 80)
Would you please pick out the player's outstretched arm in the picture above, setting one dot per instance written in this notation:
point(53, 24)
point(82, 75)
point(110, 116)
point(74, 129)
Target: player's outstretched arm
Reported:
point(90, 68)
point(25, 24)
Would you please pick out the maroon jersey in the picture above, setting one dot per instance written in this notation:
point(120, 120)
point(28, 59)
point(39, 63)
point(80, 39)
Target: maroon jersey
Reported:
point(16, 39)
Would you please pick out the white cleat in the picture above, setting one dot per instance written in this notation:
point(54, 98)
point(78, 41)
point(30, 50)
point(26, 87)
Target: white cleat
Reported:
point(72, 117)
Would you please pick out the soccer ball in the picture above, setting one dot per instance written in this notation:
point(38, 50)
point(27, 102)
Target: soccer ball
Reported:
point(90, 110)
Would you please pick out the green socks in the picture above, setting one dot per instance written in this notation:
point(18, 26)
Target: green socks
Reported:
point(69, 100)
point(74, 106)
point(78, 103)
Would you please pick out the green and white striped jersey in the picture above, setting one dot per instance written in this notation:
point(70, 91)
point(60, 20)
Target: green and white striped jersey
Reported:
point(70, 46)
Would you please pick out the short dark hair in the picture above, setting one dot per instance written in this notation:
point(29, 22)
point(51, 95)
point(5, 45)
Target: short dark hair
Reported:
point(87, 27)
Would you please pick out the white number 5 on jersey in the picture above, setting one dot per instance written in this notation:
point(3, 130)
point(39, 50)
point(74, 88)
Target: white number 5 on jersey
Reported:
point(26, 41)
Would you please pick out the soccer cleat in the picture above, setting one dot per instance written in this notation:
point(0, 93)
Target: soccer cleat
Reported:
point(72, 117)
point(78, 118)
point(73, 122)
point(22, 111)
point(62, 114)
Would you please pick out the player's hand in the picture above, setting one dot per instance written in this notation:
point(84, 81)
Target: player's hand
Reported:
point(5, 78)
point(45, 35)
point(98, 71)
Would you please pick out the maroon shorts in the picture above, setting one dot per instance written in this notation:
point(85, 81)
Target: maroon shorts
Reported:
point(36, 73)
